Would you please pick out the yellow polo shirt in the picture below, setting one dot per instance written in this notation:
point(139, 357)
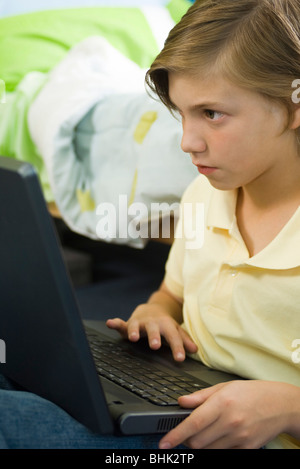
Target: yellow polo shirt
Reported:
point(243, 313)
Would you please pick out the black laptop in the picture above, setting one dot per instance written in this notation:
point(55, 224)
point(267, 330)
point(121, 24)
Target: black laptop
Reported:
point(106, 383)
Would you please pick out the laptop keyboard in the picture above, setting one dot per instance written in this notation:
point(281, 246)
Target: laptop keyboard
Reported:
point(140, 377)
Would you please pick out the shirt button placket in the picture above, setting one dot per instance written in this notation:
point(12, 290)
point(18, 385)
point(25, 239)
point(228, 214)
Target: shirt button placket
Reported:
point(233, 272)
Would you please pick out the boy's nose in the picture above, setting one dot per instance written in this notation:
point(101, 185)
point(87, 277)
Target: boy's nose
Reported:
point(192, 142)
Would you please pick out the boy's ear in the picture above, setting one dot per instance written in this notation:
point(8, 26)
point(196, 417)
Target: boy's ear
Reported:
point(295, 124)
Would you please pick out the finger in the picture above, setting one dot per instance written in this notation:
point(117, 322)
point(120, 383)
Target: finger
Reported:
point(191, 401)
point(118, 325)
point(175, 342)
point(153, 333)
point(196, 423)
point(188, 343)
point(219, 436)
point(133, 330)
point(212, 437)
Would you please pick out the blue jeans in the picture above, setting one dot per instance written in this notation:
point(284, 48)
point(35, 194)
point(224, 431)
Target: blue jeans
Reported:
point(29, 422)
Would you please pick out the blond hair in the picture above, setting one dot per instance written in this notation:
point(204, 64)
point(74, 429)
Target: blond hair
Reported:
point(253, 43)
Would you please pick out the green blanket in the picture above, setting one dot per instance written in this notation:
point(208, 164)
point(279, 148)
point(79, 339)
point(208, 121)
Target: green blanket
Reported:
point(32, 44)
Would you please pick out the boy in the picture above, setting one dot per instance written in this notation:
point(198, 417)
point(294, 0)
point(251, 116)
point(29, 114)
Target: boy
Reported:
point(227, 68)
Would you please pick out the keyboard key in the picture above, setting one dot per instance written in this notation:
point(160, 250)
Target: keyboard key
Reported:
point(127, 370)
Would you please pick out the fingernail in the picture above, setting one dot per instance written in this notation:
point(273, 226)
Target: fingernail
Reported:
point(154, 342)
point(165, 445)
point(180, 356)
point(133, 336)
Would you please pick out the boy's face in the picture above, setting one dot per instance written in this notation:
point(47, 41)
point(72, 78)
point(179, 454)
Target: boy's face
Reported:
point(234, 136)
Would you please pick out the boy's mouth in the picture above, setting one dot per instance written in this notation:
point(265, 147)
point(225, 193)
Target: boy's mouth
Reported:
point(206, 170)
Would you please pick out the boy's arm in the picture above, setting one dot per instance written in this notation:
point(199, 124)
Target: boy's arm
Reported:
point(160, 317)
point(172, 303)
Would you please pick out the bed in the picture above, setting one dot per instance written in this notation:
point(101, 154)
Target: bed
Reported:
point(74, 104)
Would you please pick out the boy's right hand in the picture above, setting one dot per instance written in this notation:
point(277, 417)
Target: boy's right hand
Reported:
point(152, 321)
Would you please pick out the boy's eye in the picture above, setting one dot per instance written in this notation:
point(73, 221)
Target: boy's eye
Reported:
point(213, 115)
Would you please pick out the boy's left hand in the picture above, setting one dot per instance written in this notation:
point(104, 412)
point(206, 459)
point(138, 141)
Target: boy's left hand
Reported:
point(238, 414)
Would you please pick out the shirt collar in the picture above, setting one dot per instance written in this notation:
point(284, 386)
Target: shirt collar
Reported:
point(222, 208)
point(284, 251)
point(281, 254)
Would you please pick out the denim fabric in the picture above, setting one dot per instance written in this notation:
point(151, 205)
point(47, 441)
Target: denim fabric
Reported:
point(30, 422)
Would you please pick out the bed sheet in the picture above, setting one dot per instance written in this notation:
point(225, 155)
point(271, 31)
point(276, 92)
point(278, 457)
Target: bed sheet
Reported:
point(33, 46)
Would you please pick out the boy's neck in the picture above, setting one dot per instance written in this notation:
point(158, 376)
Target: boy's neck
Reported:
point(273, 190)
point(265, 207)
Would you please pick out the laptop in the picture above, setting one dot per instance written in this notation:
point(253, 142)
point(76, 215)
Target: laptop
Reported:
point(53, 352)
